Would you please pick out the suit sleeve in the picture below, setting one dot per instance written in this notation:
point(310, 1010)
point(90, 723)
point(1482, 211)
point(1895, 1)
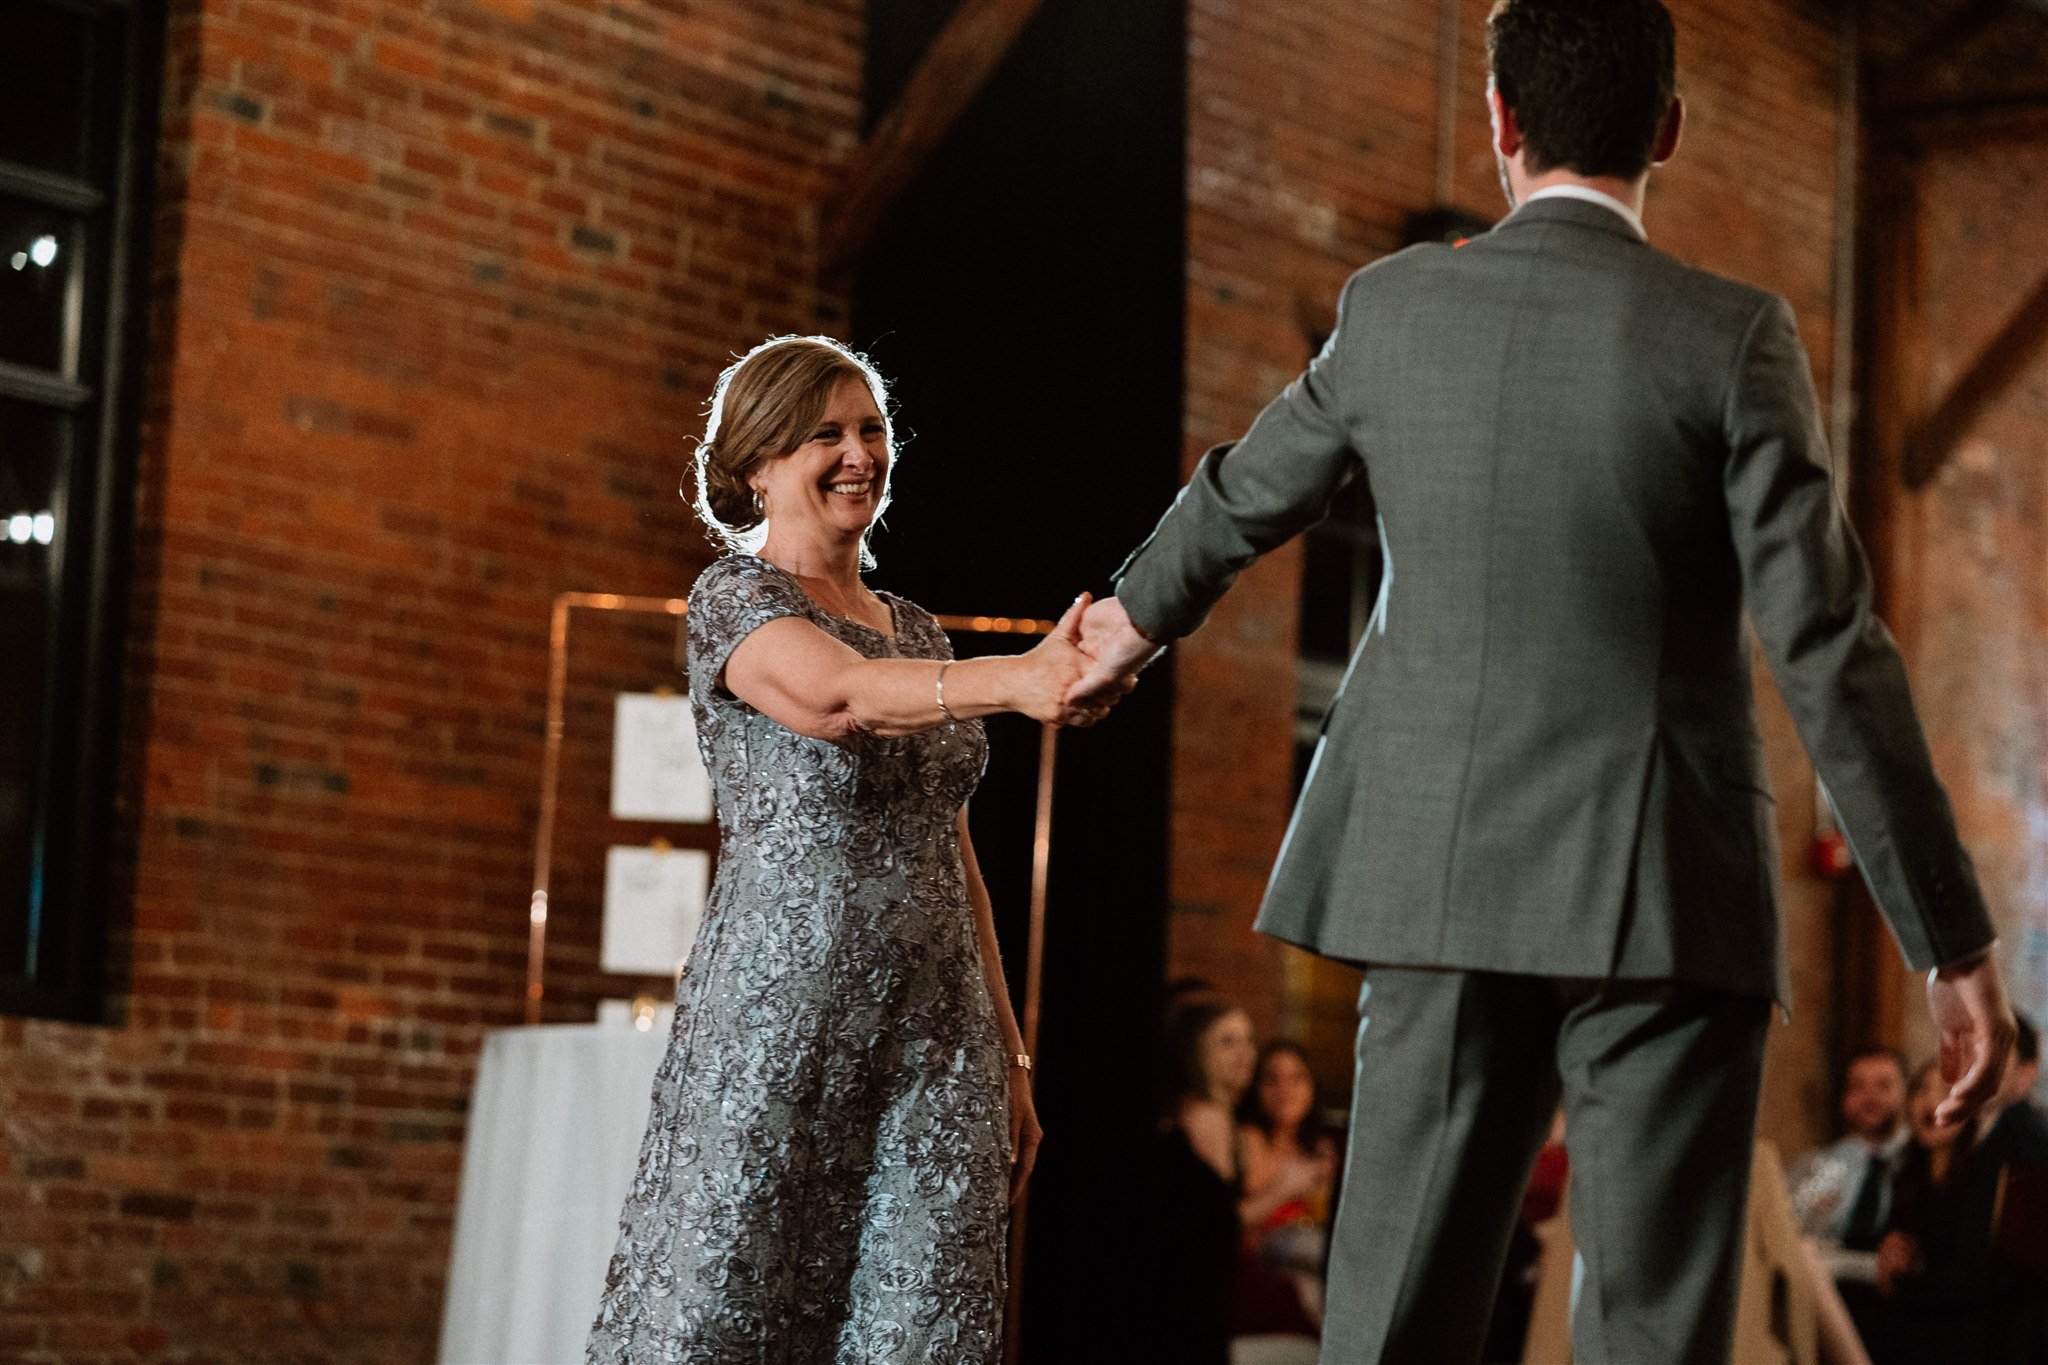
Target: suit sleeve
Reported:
point(1247, 497)
point(1809, 592)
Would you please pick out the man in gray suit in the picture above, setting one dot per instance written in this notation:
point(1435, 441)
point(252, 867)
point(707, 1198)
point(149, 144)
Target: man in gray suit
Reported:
point(1538, 813)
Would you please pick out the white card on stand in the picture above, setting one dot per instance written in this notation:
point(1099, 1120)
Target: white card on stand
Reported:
point(657, 773)
point(653, 901)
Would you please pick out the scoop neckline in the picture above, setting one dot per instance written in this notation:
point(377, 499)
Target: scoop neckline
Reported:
point(893, 634)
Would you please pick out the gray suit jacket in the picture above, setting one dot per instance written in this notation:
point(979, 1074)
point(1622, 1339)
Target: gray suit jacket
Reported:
point(1544, 758)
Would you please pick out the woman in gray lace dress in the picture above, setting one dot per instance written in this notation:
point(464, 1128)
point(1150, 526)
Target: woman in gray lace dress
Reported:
point(844, 1111)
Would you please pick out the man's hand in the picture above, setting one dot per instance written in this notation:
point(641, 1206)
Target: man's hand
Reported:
point(1898, 1254)
point(1118, 651)
point(1967, 1000)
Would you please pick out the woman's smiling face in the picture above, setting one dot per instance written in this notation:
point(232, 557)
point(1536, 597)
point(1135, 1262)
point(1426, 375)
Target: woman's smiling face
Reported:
point(835, 482)
point(1229, 1053)
point(1287, 1089)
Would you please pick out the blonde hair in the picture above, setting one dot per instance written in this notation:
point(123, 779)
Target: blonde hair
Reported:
point(765, 405)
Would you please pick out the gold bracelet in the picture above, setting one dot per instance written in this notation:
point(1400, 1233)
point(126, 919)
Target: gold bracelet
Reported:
point(1020, 1061)
point(945, 710)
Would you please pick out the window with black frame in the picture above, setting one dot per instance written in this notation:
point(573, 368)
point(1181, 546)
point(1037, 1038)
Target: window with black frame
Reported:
point(77, 118)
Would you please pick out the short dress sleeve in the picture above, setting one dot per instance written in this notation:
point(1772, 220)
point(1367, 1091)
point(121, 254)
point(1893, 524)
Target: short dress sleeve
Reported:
point(732, 599)
point(920, 636)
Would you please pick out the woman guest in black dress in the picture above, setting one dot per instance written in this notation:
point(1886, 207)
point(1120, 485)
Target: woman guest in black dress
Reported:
point(1932, 1263)
point(844, 1111)
point(1189, 1190)
point(1288, 1169)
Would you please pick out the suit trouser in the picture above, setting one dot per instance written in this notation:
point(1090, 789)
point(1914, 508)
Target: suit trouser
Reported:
point(1459, 1074)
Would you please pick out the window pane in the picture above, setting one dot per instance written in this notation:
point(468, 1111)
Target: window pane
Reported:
point(32, 457)
point(45, 86)
point(38, 260)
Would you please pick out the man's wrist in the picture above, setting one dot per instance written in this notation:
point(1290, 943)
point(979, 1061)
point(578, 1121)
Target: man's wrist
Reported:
point(1962, 966)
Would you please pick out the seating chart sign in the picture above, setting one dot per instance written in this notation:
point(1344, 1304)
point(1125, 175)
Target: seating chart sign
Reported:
point(656, 771)
point(653, 901)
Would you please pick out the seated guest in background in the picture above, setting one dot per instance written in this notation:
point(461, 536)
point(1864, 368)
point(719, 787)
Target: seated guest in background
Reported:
point(1932, 1265)
point(1189, 1194)
point(1954, 1295)
point(1212, 1055)
point(2012, 1143)
point(1288, 1166)
point(1516, 1298)
point(2013, 1125)
point(1841, 1194)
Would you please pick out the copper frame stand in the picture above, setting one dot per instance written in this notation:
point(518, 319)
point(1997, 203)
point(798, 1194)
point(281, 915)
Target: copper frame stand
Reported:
point(544, 834)
point(1034, 965)
point(551, 763)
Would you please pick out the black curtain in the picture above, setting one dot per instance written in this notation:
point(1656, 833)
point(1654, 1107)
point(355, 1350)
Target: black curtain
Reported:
point(1025, 296)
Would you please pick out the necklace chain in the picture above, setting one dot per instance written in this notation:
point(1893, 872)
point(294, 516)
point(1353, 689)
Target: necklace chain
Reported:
point(835, 600)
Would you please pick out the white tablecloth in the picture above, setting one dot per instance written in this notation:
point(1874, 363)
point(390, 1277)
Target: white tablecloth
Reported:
point(554, 1133)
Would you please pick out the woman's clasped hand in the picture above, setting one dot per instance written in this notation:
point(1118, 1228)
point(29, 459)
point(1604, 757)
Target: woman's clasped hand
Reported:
point(1053, 666)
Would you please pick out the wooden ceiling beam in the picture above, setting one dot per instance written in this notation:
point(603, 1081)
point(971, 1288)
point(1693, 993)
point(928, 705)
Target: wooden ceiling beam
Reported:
point(1972, 132)
point(2003, 359)
point(1892, 371)
point(1913, 73)
point(959, 62)
point(1963, 106)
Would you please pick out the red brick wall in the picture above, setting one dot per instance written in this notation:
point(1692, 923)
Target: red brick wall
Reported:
point(1972, 567)
point(1312, 137)
point(441, 290)
point(1309, 139)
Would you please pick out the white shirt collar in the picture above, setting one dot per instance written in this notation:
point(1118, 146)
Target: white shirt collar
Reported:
point(1593, 196)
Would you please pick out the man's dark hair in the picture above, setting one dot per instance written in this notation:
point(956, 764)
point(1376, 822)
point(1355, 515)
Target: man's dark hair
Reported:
point(1590, 81)
point(2028, 1044)
point(1865, 1053)
point(1189, 1018)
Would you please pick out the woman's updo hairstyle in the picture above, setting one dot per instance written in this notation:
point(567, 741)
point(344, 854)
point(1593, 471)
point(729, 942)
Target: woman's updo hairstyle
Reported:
point(766, 404)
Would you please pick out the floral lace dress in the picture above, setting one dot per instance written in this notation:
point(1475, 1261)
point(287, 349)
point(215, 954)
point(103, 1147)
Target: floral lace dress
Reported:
point(824, 1176)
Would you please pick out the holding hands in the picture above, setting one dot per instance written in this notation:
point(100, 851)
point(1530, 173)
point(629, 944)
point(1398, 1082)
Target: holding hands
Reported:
point(1087, 665)
point(1967, 1000)
point(1116, 650)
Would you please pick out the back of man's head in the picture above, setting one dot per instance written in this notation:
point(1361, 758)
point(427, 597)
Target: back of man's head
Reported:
point(1589, 81)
